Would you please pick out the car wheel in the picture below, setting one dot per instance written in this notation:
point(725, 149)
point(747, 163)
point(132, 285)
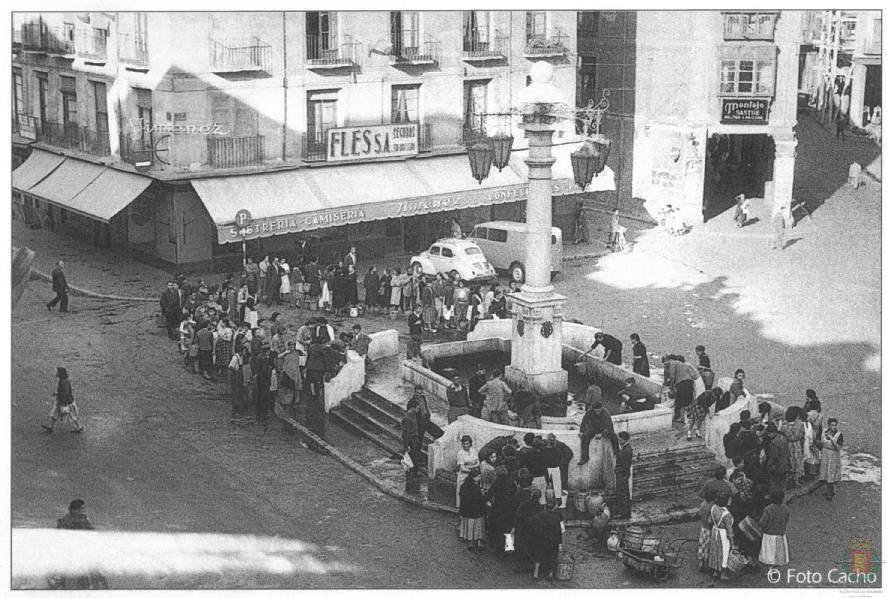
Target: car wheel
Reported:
point(516, 270)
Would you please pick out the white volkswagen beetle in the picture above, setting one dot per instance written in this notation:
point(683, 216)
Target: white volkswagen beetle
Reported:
point(457, 256)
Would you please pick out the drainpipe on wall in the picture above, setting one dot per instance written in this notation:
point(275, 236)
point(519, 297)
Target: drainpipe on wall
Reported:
point(285, 93)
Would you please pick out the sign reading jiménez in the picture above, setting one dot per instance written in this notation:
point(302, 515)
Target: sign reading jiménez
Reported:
point(382, 141)
point(744, 111)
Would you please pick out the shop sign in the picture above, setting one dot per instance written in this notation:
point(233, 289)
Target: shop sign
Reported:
point(744, 111)
point(365, 143)
point(27, 127)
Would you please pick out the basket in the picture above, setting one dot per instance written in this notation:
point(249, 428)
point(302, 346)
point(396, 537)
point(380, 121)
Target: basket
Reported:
point(565, 565)
point(639, 538)
point(579, 501)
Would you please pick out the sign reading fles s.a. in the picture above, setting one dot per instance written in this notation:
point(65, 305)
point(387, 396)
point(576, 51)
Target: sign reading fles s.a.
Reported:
point(364, 143)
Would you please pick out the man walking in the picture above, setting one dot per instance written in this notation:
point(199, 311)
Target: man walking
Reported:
point(780, 223)
point(59, 287)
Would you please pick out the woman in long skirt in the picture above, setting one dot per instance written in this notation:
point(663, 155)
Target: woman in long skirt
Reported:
point(721, 536)
point(502, 497)
point(830, 470)
point(795, 431)
point(773, 523)
point(467, 460)
point(471, 511)
point(326, 291)
point(224, 343)
point(704, 534)
point(601, 463)
point(396, 284)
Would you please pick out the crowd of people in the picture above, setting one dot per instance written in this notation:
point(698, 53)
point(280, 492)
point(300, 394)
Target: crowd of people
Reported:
point(220, 333)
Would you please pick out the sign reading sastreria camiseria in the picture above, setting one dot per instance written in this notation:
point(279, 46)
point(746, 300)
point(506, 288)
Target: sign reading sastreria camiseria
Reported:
point(744, 111)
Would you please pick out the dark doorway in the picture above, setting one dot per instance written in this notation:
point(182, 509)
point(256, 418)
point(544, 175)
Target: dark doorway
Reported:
point(735, 164)
point(872, 86)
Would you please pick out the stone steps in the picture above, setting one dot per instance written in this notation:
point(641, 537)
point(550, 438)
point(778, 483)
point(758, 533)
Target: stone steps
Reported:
point(373, 417)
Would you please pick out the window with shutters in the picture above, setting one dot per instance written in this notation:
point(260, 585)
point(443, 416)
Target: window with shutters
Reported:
point(536, 25)
point(69, 102)
point(404, 103)
point(18, 95)
point(100, 93)
point(474, 106)
point(405, 32)
point(42, 96)
point(748, 70)
point(145, 115)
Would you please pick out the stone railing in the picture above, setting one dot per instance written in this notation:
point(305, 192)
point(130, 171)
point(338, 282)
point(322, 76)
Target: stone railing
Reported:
point(385, 343)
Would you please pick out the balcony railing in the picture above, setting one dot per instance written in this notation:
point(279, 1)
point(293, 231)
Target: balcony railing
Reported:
point(327, 52)
point(546, 47)
point(25, 126)
point(314, 144)
point(426, 53)
point(136, 150)
point(93, 45)
point(235, 152)
point(240, 55)
point(474, 48)
point(133, 49)
point(36, 37)
point(73, 136)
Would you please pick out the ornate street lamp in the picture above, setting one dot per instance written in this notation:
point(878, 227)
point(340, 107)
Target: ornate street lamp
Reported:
point(589, 160)
point(480, 157)
point(501, 149)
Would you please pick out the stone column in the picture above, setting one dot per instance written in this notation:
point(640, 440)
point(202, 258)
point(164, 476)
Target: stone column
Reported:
point(857, 93)
point(783, 172)
point(537, 312)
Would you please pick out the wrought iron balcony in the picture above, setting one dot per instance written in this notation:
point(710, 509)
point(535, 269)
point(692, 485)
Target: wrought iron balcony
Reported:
point(428, 53)
point(478, 49)
point(240, 55)
point(38, 38)
point(314, 146)
point(73, 136)
point(133, 49)
point(93, 45)
point(235, 152)
point(327, 52)
point(546, 47)
point(136, 150)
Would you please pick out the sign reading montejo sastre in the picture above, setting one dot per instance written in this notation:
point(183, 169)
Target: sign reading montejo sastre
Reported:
point(744, 111)
point(381, 141)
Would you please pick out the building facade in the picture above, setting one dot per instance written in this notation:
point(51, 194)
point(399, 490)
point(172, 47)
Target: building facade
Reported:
point(348, 127)
point(715, 108)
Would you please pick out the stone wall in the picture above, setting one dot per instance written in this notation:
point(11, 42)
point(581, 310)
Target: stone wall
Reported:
point(349, 380)
point(385, 343)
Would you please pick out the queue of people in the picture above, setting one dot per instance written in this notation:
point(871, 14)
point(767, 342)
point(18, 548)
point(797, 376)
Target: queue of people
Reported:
point(743, 515)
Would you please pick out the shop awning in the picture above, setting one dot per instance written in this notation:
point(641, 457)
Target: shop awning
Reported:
point(311, 198)
point(91, 189)
point(36, 168)
point(111, 192)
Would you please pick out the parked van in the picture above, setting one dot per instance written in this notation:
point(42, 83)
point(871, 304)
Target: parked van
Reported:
point(504, 245)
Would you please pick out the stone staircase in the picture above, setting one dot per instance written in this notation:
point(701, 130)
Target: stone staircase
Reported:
point(373, 417)
point(667, 465)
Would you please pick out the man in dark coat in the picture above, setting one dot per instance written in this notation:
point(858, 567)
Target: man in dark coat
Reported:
point(59, 287)
point(546, 541)
point(171, 308)
point(411, 440)
point(457, 398)
point(778, 455)
point(612, 347)
point(624, 456)
point(261, 365)
point(475, 397)
point(76, 519)
point(565, 455)
point(594, 422)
